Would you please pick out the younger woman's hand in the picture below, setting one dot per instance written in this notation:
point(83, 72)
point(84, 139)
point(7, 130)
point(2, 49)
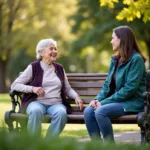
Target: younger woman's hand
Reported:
point(95, 104)
point(98, 103)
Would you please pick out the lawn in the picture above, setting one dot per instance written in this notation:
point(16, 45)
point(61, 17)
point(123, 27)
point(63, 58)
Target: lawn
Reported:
point(71, 130)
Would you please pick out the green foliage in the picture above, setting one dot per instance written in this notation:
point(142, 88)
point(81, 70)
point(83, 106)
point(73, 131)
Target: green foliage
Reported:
point(26, 142)
point(20, 62)
point(24, 23)
point(132, 9)
point(94, 25)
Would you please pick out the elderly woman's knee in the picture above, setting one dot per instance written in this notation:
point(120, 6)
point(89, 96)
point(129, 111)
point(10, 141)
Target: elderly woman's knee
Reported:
point(61, 113)
point(35, 112)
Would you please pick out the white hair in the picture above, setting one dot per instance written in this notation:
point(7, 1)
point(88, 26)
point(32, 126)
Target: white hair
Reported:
point(42, 45)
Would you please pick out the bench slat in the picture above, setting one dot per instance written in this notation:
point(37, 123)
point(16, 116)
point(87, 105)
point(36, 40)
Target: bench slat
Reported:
point(86, 84)
point(79, 117)
point(86, 78)
point(87, 74)
point(85, 100)
point(88, 93)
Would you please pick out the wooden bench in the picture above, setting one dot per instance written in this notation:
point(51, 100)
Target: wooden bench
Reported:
point(87, 86)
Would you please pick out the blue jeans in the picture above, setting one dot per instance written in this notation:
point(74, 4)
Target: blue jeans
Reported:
point(36, 112)
point(99, 120)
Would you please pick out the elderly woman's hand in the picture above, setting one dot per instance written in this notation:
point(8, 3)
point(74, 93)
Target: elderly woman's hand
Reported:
point(39, 91)
point(79, 102)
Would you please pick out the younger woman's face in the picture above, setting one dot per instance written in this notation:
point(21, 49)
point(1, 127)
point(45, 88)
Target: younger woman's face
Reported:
point(115, 42)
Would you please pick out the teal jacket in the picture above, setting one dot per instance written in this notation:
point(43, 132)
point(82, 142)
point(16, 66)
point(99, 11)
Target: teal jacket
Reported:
point(130, 84)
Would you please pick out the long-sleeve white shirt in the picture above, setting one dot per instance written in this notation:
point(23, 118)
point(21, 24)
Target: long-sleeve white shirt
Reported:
point(50, 83)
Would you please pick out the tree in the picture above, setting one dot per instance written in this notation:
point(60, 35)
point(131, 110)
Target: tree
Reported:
point(24, 23)
point(8, 15)
point(135, 12)
point(132, 9)
point(93, 27)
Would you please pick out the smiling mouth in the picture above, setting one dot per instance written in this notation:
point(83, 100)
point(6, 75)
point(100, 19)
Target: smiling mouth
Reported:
point(52, 55)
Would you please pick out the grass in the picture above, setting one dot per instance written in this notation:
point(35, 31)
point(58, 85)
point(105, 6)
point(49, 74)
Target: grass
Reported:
point(78, 130)
point(4, 98)
point(25, 142)
point(71, 130)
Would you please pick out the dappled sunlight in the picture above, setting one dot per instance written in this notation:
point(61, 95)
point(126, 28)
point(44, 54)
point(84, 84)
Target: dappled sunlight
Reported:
point(88, 51)
point(106, 58)
point(4, 98)
point(125, 127)
point(4, 107)
point(79, 130)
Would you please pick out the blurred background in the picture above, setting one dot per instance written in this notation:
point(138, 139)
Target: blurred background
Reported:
point(82, 28)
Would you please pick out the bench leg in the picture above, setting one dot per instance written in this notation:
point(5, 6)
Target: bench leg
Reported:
point(143, 137)
point(141, 118)
point(23, 125)
point(8, 121)
point(15, 125)
point(147, 127)
point(144, 123)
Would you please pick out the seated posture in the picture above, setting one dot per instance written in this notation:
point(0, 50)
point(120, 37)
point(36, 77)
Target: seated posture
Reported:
point(46, 87)
point(122, 92)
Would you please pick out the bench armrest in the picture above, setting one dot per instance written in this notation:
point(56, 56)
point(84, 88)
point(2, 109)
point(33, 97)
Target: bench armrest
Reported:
point(16, 98)
point(147, 102)
point(146, 96)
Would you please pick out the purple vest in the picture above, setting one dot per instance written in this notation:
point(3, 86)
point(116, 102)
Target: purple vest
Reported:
point(37, 77)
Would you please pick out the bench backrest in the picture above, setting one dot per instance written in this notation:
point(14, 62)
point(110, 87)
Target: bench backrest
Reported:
point(148, 81)
point(87, 86)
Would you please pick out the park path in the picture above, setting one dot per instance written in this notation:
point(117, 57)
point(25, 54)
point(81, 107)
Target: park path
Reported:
point(132, 137)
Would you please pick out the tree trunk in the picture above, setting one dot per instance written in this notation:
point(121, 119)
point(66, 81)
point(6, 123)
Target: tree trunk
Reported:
point(3, 70)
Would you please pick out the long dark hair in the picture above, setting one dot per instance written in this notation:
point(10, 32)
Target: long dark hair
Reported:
point(128, 43)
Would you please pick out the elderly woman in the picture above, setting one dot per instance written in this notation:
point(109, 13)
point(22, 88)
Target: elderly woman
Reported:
point(46, 86)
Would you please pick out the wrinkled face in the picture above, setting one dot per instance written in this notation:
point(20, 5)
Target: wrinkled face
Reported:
point(115, 42)
point(49, 53)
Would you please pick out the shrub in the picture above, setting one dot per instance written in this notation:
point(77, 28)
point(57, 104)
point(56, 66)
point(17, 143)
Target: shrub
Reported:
point(19, 141)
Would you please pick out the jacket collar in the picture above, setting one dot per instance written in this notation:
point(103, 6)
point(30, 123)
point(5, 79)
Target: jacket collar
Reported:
point(115, 60)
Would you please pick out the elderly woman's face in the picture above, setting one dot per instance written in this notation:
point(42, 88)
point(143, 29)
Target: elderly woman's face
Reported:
point(49, 53)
